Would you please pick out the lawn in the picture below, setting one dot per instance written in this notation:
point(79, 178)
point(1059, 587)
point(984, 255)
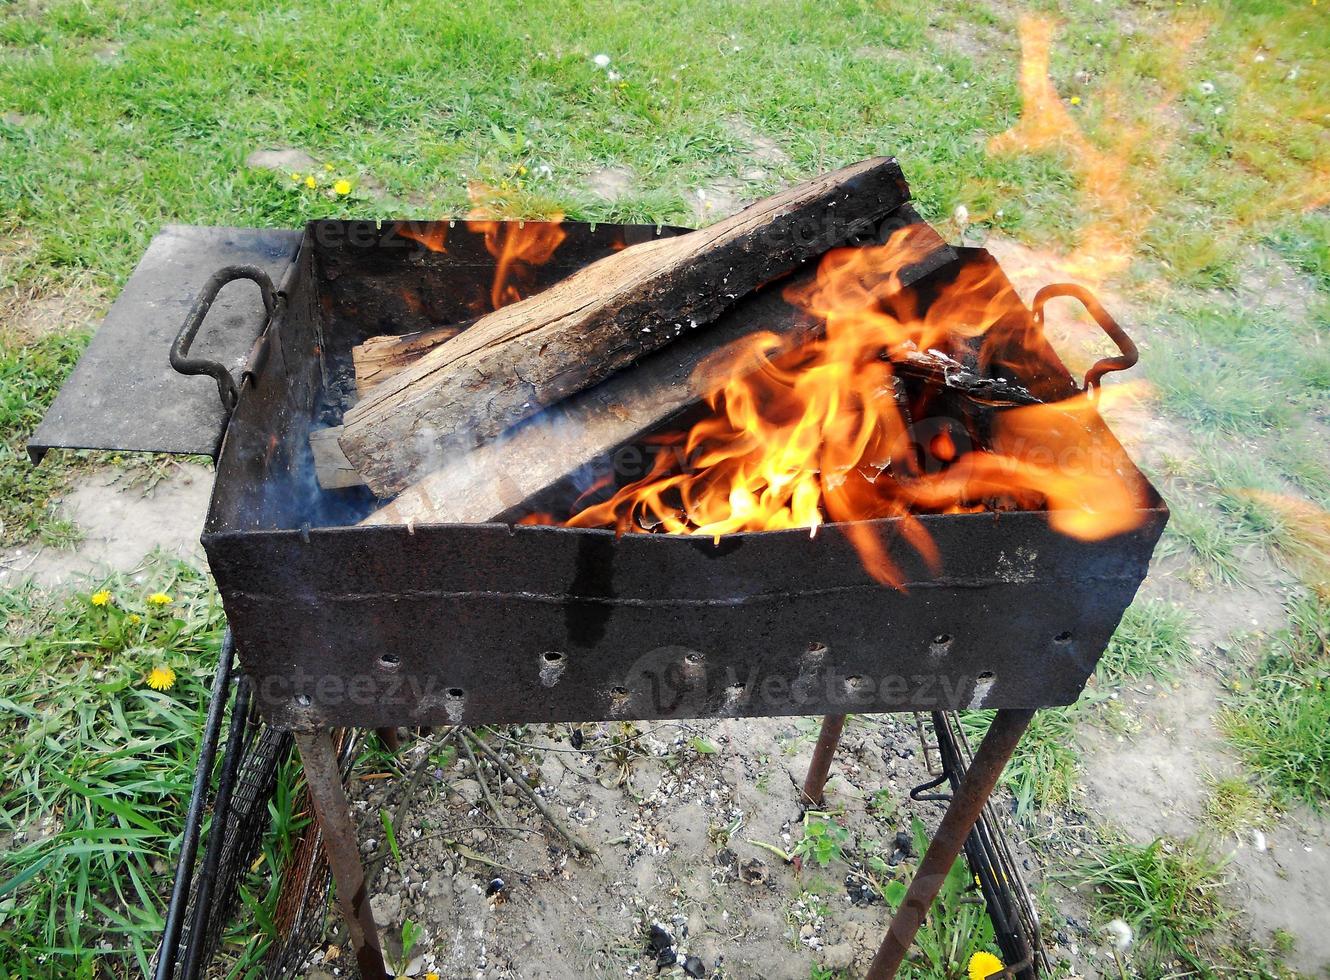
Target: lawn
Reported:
point(1175, 154)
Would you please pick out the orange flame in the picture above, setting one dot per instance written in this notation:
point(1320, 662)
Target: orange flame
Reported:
point(432, 234)
point(517, 247)
point(823, 432)
point(1108, 241)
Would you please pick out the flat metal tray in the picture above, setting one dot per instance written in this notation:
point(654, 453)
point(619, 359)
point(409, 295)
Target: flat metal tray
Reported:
point(123, 394)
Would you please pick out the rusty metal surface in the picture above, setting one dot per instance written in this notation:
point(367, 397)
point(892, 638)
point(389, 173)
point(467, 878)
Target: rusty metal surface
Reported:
point(472, 624)
point(323, 776)
point(819, 767)
point(971, 796)
point(123, 394)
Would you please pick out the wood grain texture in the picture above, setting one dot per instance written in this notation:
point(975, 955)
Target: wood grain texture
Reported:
point(516, 361)
point(491, 479)
point(380, 358)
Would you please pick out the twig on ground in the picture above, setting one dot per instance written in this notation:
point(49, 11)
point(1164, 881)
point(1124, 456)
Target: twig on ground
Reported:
point(583, 849)
point(399, 814)
point(484, 785)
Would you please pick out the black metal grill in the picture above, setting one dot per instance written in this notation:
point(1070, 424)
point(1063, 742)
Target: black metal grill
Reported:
point(378, 626)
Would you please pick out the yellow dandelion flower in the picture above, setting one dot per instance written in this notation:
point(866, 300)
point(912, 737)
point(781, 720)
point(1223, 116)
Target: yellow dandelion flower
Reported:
point(984, 964)
point(1075, 100)
point(327, 167)
point(160, 599)
point(135, 619)
point(310, 182)
point(161, 678)
point(101, 598)
point(342, 187)
point(296, 177)
point(431, 976)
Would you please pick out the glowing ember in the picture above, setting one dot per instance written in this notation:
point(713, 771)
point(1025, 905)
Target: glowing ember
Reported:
point(841, 430)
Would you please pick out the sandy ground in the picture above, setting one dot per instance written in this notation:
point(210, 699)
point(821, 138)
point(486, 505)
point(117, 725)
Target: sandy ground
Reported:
point(678, 835)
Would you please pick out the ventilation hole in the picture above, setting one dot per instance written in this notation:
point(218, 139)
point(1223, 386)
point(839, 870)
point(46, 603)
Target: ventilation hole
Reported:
point(986, 675)
point(553, 657)
point(1063, 637)
point(389, 661)
point(816, 649)
point(693, 658)
point(456, 693)
point(303, 700)
point(942, 640)
point(619, 692)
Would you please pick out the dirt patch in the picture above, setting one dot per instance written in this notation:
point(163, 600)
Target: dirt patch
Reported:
point(1269, 283)
point(719, 200)
point(31, 313)
point(121, 523)
point(283, 160)
point(761, 149)
point(1152, 784)
point(1285, 884)
point(675, 829)
point(610, 183)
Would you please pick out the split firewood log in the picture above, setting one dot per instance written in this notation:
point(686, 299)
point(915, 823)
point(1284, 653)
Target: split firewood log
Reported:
point(586, 429)
point(516, 361)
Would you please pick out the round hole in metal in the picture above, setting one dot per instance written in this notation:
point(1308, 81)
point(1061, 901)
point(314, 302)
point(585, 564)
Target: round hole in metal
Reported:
point(816, 649)
point(552, 657)
point(456, 693)
point(942, 640)
point(304, 700)
point(986, 675)
point(390, 661)
point(1063, 637)
point(619, 692)
point(692, 658)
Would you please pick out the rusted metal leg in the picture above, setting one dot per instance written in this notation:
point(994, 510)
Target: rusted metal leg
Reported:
point(388, 736)
point(324, 779)
point(832, 726)
point(998, 745)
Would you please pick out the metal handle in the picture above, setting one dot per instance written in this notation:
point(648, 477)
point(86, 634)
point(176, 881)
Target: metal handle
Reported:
point(180, 359)
point(1130, 355)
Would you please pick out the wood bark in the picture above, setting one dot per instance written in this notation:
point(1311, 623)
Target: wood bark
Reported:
point(516, 361)
point(494, 478)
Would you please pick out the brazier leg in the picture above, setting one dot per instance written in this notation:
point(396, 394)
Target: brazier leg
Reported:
point(388, 736)
point(827, 741)
point(966, 805)
point(324, 778)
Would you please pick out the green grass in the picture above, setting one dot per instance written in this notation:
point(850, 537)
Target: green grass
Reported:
point(1214, 545)
point(95, 767)
point(1167, 892)
point(1151, 641)
point(1279, 716)
point(1234, 805)
point(30, 375)
point(1045, 769)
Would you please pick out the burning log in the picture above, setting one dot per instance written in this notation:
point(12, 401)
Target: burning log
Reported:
point(519, 359)
point(498, 476)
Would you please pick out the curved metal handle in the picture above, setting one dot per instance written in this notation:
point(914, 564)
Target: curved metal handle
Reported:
point(1130, 355)
point(180, 359)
